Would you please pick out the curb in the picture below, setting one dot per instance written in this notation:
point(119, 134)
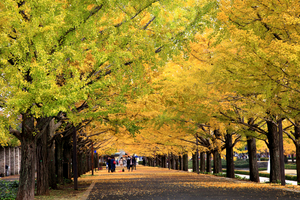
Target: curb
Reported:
point(86, 193)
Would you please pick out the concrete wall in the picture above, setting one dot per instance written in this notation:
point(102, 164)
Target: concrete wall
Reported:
point(10, 156)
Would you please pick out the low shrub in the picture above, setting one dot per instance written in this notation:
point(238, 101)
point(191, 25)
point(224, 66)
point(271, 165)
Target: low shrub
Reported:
point(267, 175)
point(140, 162)
point(264, 159)
point(8, 189)
point(290, 166)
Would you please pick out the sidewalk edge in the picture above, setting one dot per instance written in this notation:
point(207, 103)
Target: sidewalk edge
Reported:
point(86, 193)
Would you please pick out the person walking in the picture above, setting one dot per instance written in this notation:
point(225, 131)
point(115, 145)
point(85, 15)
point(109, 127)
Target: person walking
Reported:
point(128, 163)
point(133, 163)
point(108, 164)
point(121, 162)
point(113, 164)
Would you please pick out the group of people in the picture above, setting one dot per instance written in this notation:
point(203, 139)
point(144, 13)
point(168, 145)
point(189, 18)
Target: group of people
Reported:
point(129, 163)
point(111, 164)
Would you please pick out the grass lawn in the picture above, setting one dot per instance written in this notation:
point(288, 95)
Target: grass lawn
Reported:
point(67, 192)
point(241, 163)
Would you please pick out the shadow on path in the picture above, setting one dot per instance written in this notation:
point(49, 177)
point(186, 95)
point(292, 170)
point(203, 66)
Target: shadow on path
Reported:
point(161, 184)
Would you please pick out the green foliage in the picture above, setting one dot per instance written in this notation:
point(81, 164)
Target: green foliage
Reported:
point(140, 162)
point(290, 166)
point(287, 176)
point(8, 189)
point(264, 159)
point(67, 181)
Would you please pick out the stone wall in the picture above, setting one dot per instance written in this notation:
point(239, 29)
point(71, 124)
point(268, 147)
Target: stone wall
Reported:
point(10, 156)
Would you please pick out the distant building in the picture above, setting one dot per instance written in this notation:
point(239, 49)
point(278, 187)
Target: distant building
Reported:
point(10, 161)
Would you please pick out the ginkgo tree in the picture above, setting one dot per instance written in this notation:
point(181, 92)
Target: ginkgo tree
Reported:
point(261, 60)
point(55, 54)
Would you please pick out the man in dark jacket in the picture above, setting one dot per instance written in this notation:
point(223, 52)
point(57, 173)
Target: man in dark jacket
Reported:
point(108, 164)
point(113, 164)
point(128, 163)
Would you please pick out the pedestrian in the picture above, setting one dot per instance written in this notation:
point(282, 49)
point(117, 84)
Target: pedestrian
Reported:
point(113, 164)
point(128, 163)
point(108, 164)
point(6, 170)
point(121, 162)
point(133, 163)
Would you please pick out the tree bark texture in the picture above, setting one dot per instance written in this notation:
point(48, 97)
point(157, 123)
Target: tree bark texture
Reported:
point(79, 164)
point(28, 162)
point(229, 157)
point(176, 162)
point(220, 161)
point(208, 162)
point(42, 165)
point(67, 155)
point(274, 152)
point(202, 161)
point(297, 144)
point(181, 161)
point(253, 167)
point(185, 162)
point(59, 160)
point(194, 162)
point(51, 168)
point(216, 162)
point(27, 174)
point(281, 156)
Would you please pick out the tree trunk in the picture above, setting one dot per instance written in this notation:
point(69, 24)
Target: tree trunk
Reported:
point(173, 161)
point(216, 162)
point(51, 169)
point(185, 162)
point(254, 175)
point(59, 160)
point(28, 161)
point(220, 166)
point(293, 158)
point(297, 144)
point(286, 160)
point(202, 162)
point(274, 152)
point(281, 156)
point(169, 161)
point(42, 165)
point(51, 155)
point(67, 155)
point(229, 157)
point(27, 174)
point(181, 162)
point(79, 164)
point(208, 162)
point(298, 161)
point(88, 165)
point(176, 163)
point(194, 162)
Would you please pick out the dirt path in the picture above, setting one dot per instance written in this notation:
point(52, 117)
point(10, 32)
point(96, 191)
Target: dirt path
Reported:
point(157, 183)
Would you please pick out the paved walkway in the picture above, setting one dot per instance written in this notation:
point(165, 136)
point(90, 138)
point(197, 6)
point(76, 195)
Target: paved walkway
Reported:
point(147, 183)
